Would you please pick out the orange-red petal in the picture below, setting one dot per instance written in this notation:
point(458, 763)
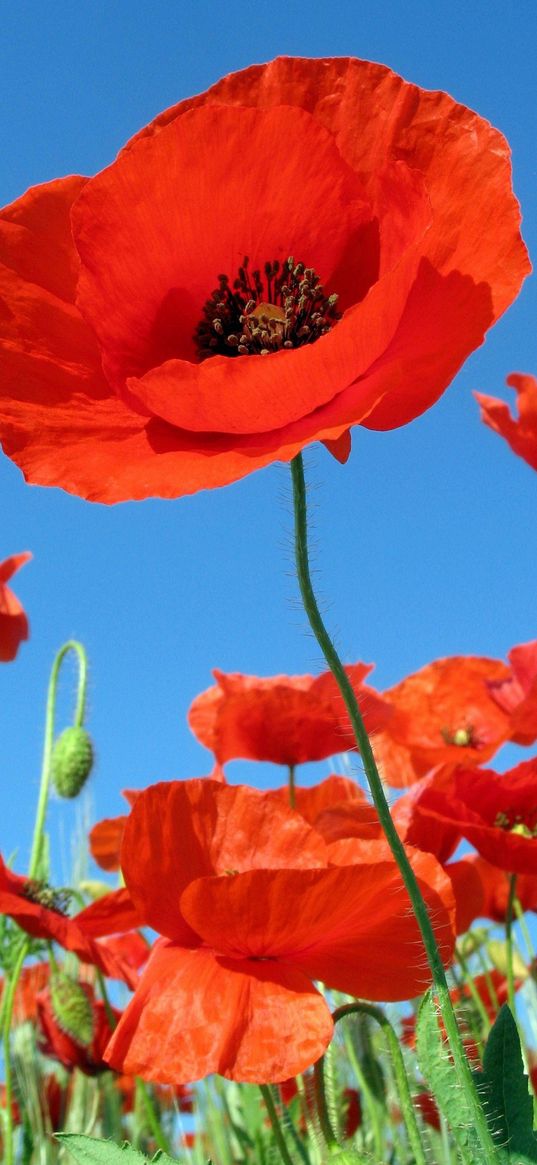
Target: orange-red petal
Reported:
point(520, 433)
point(182, 830)
point(195, 1013)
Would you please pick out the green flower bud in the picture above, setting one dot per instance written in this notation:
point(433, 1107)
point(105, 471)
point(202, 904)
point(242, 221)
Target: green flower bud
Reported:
point(71, 1008)
point(72, 761)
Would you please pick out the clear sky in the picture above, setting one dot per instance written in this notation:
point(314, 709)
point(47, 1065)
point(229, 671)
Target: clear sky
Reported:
point(426, 539)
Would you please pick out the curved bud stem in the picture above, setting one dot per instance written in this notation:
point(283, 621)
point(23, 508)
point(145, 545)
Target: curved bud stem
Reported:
point(407, 1108)
point(36, 858)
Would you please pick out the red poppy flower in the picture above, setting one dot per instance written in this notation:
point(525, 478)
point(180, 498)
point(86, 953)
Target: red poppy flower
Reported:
point(496, 812)
point(55, 1042)
point(337, 807)
point(134, 298)
point(428, 1108)
point(495, 886)
point(284, 719)
point(105, 837)
point(252, 910)
point(13, 621)
point(521, 432)
point(31, 980)
point(40, 912)
point(517, 695)
point(444, 714)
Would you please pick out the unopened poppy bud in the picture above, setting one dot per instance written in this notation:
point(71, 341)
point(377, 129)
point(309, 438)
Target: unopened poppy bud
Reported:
point(72, 1009)
point(72, 761)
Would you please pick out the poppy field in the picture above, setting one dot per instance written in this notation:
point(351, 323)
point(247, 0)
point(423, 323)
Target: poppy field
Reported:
point(336, 963)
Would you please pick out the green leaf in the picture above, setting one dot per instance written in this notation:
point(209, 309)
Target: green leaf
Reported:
point(440, 1075)
point(504, 1087)
point(90, 1151)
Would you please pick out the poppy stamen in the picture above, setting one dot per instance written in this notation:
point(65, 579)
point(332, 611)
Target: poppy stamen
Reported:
point(254, 317)
point(44, 895)
point(514, 823)
point(461, 737)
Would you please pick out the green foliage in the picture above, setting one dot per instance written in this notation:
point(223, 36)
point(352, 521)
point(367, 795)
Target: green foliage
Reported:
point(89, 1151)
point(503, 1086)
point(439, 1073)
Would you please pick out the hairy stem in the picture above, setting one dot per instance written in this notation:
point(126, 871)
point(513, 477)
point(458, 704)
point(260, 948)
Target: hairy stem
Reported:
point(509, 918)
point(379, 798)
point(35, 869)
point(407, 1108)
point(266, 1093)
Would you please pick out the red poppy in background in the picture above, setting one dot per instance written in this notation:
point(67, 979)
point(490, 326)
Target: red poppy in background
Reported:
point(31, 980)
point(517, 695)
point(520, 432)
point(182, 319)
point(14, 627)
point(443, 714)
point(284, 719)
point(40, 912)
point(496, 812)
point(495, 885)
point(336, 807)
point(55, 1042)
point(105, 837)
point(252, 909)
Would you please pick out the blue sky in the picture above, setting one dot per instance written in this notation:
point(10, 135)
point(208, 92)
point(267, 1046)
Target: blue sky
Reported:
point(425, 539)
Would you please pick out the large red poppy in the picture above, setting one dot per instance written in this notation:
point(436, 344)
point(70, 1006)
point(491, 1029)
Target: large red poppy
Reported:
point(109, 282)
point(252, 908)
point(519, 432)
point(284, 719)
point(443, 714)
point(13, 620)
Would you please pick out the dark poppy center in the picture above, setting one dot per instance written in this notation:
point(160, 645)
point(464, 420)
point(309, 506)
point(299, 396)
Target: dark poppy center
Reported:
point(44, 895)
point(287, 308)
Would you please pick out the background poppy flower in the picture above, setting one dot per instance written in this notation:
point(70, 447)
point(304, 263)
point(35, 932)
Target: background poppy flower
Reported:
point(284, 719)
point(114, 284)
point(495, 884)
point(443, 714)
point(496, 812)
point(13, 620)
point(520, 432)
point(37, 910)
point(105, 837)
point(229, 989)
point(517, 695)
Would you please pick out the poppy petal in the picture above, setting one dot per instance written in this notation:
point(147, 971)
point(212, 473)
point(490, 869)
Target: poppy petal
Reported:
point(181, 830)
point(194, 1013)
point(337, 933)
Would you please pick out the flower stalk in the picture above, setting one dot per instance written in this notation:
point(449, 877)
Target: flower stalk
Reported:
point(379, 799)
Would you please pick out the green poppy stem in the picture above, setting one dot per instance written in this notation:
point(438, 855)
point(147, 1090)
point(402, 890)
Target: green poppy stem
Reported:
point(36, 868)
point(10, 990)
point(291, 785)
point(379, 798)
point(36, 858)
point(509, 918)
point(398, 1064)
point(266, 1093)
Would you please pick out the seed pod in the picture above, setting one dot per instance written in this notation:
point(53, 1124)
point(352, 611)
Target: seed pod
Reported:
point(72, 761)
point(72, 1009)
